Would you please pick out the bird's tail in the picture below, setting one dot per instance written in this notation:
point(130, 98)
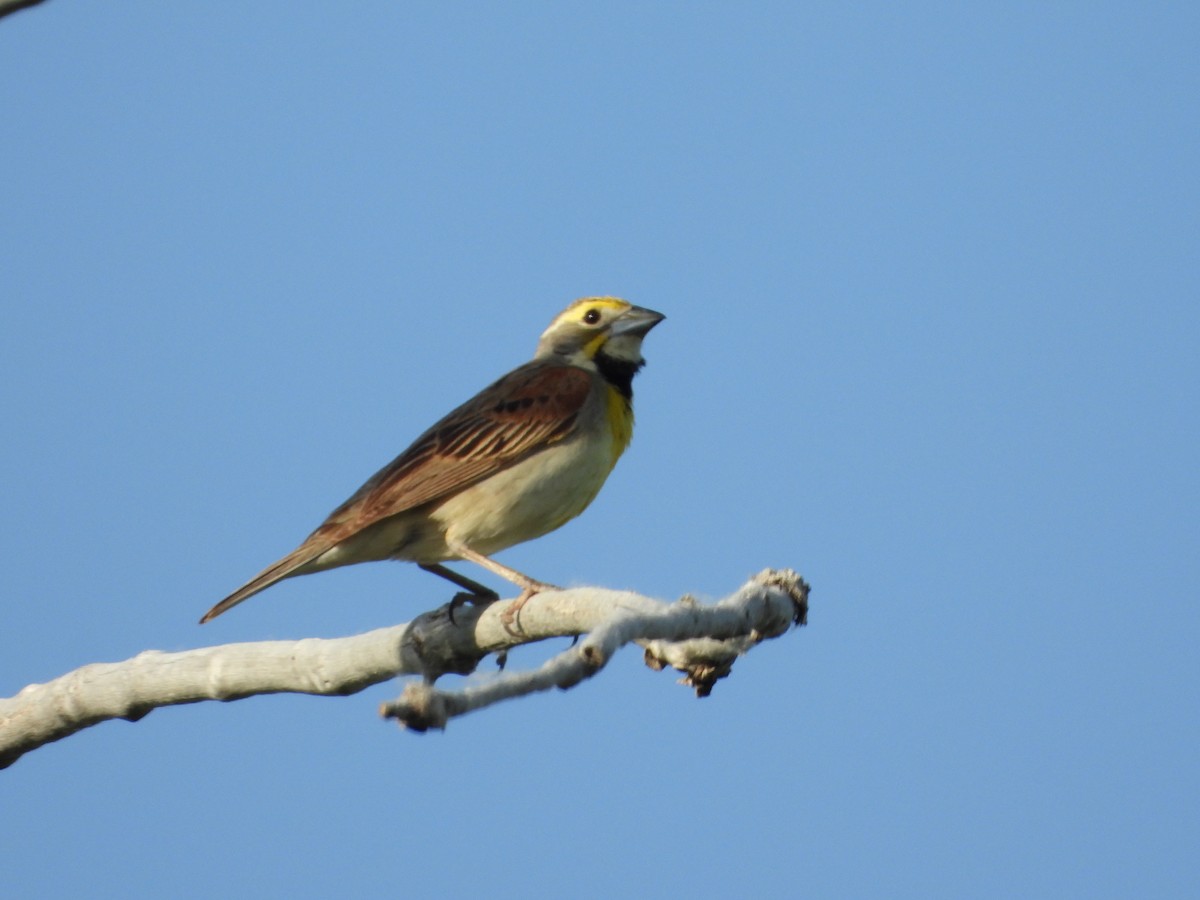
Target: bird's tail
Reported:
point(290, 565)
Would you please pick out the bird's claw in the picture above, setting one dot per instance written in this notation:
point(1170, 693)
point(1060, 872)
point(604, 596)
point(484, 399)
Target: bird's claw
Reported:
point(509, 618)
point(464, 597)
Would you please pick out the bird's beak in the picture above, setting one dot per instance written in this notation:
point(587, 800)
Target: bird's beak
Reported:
point(635, 320)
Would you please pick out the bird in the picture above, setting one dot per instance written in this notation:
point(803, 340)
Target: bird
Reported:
point(519, 459)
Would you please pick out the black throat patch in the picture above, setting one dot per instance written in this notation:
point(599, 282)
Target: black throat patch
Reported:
point(618, 372)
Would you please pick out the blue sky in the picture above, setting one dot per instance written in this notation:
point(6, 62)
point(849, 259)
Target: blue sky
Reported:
point(932, 293)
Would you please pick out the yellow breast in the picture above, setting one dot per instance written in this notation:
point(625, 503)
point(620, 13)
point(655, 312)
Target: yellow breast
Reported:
point(619, 412)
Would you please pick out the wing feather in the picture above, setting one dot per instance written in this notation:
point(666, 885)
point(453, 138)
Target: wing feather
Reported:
point(532, 407)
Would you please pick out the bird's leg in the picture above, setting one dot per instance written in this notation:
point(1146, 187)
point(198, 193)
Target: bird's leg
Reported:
point(508, 618)
point(528, 586)
point(472, 591)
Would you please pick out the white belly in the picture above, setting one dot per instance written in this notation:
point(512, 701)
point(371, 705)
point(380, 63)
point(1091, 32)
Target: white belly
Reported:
point(529, 499)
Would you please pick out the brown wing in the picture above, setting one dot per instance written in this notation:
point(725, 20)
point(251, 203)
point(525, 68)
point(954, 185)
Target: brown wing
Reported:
point(535, 405)
point(529, 408)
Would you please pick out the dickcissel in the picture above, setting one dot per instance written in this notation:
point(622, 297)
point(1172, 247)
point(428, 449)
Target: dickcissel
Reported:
point(516, 461)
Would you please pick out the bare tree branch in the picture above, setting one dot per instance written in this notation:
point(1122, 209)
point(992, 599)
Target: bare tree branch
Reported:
point(702, 641)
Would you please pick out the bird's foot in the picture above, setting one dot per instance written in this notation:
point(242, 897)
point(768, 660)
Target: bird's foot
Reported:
point(509, 618)
point(474, 598)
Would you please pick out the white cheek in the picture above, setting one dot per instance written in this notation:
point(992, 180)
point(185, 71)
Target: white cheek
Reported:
point(625, 347)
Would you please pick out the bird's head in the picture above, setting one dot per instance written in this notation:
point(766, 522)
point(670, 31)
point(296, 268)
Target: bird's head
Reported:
point(604, 333)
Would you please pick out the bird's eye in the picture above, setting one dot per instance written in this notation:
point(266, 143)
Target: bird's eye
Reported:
point(592, 316)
